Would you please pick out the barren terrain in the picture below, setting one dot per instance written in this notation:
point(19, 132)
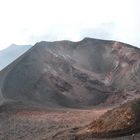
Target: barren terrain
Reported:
point(43, 125)
point(57, 88)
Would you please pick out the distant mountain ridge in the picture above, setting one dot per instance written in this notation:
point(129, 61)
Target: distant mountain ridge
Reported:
point(11, 53)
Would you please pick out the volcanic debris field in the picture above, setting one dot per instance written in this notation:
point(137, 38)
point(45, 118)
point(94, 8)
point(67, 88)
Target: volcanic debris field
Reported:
point(66, 90)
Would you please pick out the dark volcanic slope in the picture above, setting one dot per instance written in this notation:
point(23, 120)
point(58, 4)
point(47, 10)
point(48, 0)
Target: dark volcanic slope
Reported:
point(73, 74)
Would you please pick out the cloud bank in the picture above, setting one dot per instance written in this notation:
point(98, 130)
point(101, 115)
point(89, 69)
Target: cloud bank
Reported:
point(29, 21)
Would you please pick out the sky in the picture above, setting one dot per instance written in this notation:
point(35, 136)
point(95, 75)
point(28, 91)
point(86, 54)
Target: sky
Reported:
point(31, 21)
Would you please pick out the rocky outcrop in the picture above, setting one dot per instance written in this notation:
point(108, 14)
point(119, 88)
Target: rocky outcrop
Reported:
point(120, 121)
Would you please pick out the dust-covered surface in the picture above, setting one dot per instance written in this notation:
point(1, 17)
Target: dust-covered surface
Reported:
point(120, 121)
point(43, 125)
point(59, 124)
point(71, 79)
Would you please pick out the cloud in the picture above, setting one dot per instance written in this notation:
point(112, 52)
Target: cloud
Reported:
point(29, 21)
point(74, 32)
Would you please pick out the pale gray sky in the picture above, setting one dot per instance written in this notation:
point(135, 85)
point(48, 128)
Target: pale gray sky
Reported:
point(30, 21)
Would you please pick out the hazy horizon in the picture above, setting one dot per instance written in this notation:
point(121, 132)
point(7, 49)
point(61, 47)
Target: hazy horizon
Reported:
point(28, 21)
